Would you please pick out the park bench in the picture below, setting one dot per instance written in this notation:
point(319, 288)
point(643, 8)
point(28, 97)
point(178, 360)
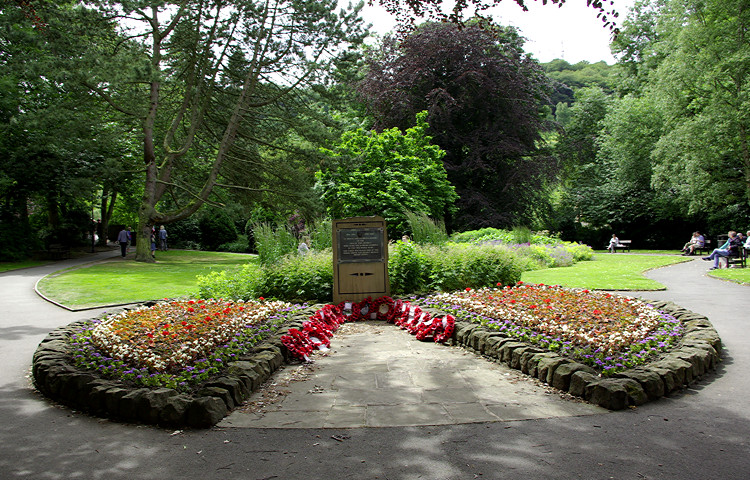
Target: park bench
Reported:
point(705, 249)
point(740, 260)
point(57, 251)
point(623, 245)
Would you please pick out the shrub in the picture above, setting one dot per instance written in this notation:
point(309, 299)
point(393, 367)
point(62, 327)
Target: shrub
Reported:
point(184, 234)
point(408, 268)
point(580, 252)
point(474, 266)
point(415, 269)
point(238, 246)
point(236, 284)
point(299, 278)
point(216, 228)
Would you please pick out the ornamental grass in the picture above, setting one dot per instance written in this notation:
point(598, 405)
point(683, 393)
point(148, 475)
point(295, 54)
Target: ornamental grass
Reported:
point(608, 332)
point(176, 344)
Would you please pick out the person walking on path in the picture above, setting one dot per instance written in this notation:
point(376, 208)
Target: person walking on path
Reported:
point(163, 239)
point(123, 238)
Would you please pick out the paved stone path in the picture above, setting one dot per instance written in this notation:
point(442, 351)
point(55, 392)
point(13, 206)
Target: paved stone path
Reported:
point(377, 375)
point(701, 433)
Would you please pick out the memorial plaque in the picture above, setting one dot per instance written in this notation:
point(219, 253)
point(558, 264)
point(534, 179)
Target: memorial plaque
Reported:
point(360, 259)
point(360, 245)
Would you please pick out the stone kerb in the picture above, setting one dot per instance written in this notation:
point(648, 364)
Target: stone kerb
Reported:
point(56, 377)
point(697, 353)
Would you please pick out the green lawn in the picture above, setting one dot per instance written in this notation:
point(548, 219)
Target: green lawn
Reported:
point(7, 266)
point(738, 275)
point(126, 281)
point(606, 272)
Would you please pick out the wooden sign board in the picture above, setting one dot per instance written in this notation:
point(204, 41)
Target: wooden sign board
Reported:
point(360, 259)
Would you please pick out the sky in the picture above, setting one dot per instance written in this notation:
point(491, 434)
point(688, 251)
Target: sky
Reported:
point(571, 32)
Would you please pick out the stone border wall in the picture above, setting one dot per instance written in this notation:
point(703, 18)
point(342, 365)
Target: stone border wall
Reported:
point(697, 353)
point(56, 377)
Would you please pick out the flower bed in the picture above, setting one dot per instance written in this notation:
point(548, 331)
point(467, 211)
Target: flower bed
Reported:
point(608, 332)
point(175, 344)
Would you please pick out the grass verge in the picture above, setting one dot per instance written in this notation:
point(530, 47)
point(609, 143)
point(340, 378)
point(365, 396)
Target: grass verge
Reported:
point(8, 266)
point(606, 272)
point(125, 281)
point(737, 275)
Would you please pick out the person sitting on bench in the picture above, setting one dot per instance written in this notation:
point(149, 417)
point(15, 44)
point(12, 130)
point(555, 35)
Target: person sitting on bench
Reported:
point(697, 241)
point(613, 243)
point(731, 247)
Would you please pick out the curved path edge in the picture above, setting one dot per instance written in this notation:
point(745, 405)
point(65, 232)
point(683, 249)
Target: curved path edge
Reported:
point(56, 377)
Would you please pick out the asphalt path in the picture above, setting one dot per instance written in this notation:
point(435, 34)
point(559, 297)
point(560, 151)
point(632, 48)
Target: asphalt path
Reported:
point(700, 433)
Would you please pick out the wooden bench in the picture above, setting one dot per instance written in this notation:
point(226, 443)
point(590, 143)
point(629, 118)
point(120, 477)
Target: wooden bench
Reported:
point(739, 260)
point(623, 245)
point(58, 251)
point(705, 249)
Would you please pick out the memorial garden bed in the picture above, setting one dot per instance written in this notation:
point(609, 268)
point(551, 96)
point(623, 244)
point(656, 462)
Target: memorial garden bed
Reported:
point(165, 364)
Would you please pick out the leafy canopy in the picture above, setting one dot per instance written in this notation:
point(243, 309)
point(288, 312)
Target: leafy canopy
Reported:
point(386, 174)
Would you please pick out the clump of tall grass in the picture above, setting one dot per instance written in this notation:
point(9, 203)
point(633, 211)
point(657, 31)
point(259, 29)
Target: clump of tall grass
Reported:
point(273, 242)
point(425, 230)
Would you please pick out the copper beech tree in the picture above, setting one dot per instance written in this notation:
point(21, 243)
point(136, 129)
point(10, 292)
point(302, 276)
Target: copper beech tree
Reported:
point(486, 102)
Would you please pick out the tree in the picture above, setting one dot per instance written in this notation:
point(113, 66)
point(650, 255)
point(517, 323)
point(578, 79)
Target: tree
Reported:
point(200, 82)
point(702, 87)
point(389, 174)
point(486, 103)
point(58, 148)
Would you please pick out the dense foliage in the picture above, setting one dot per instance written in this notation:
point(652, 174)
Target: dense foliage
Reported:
point(387, 174)
point(485, 99)
point(668, 154)
point(484, 258)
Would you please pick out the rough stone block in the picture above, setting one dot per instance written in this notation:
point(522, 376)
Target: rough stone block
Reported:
point(712, 358)
point(682, 368)
point(652, 382)
point(518, 353)
point(547, 365)
point(153, 402)
point(709, 336)
point(532, 364)
point(462, 333)
point(205, 412)
point(112, 399)
point(563, 373)
point(505, 352)
point(174, 410)
point(221, 393)
point(132, 404)
point(234, 386)
point(579, 381)
point(616, 393)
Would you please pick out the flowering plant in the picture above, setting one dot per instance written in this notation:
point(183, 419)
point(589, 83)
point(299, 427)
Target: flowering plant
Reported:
point(175, 343)
point(316, 331)
point(610, 332)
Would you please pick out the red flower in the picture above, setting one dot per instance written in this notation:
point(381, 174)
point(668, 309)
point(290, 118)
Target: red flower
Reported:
point(468, 289)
